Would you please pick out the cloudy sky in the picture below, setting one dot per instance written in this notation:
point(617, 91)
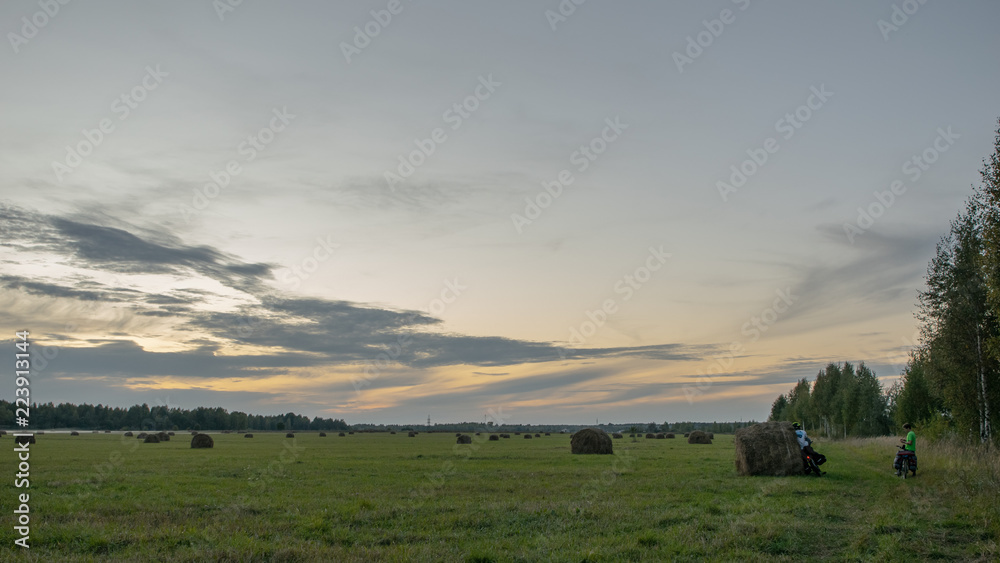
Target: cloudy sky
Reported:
point(388, 210)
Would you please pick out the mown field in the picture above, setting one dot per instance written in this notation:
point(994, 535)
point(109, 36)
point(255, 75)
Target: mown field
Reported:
point(382, 497)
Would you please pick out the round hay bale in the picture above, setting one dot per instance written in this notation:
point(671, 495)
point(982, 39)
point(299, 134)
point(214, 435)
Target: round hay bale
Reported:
point(650, 436)
point(248, 435)
point(661, 436)
point(670, 436)
point(127, 434)
point(202, 441)
point(74, 433)
point(25, 439)
point(631, 435)
point(141, 436)
point(478, 433)
point(547, 434)
point(768, 448)
point(163, 436)
point(538, 435)
point(289, 435)
point(409, 435)
point(617, 435)
point(505, 435)
point(527, 436)
point(393, 432)
point(494, 438)
point(699, 437)
point(322, 434)
point(351, 433)
point(151, 439)
point(464, 439)
point(687, 434)
point(591, 441)
point(517, 433)
point(341, 434)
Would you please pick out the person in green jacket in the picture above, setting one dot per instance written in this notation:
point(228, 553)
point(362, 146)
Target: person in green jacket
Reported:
point(909, 449)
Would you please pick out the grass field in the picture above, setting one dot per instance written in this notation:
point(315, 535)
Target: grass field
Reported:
point(382, 497)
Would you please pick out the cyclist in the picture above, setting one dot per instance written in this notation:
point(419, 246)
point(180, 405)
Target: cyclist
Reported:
point(805, 444)
point(909, 449)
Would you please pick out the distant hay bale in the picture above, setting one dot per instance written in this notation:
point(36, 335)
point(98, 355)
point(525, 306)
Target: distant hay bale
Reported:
point(527, 436)
point(289, 435)
point(478, 433)
point(547, 434)
point(505, 435)
point(464, 439)
point(768, 448)
point(341, 434)
point(322, 434)
point(95, 431)
point(25, 439)
point(517, 433)
point(591, 441)
point(107, 432)
point(151, 439)
point(538, 435)
point(194, 432)
point(687, 434)
point(650, 436)
point(661, 436)
point(248, 435)
point(350, 432)
point(494, 438)
point(699, 437)
point(163, 436)
point(393, 432)
point(616, 435)
point(202, 441)
point(409, 435)
point(141, 436)
point(670, 435)
point(631, 435)
point(74, 433)
point(127, 434)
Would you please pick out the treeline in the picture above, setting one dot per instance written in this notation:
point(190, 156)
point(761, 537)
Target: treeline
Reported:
point(144, 417)
point(951, 384)
point(844, 400)
point(952, 380)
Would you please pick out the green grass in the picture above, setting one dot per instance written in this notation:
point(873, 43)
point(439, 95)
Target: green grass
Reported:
point(382, 497)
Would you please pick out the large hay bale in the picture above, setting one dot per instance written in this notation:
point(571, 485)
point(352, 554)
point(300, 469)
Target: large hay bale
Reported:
point(74, 433)
point(650, 436)
point(670, 435)
point(248, 435)
point(591, 441)
point(151, 439)
point(768, 448)
point(163, 436)
point(616, 435)
point(699, 437)
point(202, 441)
point(661, 436)
point(409, 435)
point(25, 439)
point(527, 436)
point(464, 439)
point(494, 438)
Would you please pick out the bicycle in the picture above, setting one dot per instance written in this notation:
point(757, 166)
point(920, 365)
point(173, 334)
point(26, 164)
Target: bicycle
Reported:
point(812, 466)
point(904, 463)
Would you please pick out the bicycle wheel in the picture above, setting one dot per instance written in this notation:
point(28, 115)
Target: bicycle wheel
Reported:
point(906, 467)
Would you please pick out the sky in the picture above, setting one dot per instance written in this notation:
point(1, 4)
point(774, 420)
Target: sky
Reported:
point(531, 212)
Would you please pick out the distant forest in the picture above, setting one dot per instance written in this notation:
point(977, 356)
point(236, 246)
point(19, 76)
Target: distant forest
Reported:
point(951, 384)
point(143, 417)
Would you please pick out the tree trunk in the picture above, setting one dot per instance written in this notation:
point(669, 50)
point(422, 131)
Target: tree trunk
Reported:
point(984, 405)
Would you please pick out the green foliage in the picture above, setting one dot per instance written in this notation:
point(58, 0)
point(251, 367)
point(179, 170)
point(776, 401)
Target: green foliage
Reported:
point(843, 401)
